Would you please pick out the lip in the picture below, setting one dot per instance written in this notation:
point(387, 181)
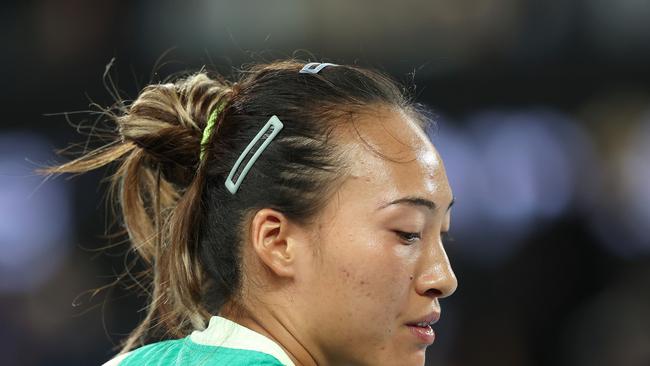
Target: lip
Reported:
point(425, 335)
point(430, 319)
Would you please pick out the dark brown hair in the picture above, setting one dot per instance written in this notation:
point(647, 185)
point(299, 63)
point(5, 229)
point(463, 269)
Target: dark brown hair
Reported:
point(180, 218)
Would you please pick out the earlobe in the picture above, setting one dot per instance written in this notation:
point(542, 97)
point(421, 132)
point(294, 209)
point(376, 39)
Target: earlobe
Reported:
point(271, 243)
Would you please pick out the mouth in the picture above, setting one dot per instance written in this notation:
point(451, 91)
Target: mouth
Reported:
point(422, 330)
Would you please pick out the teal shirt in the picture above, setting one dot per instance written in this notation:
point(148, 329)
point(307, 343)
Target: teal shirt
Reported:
point(223, 342)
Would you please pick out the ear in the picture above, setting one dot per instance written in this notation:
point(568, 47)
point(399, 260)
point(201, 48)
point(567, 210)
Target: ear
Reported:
point(272, 241)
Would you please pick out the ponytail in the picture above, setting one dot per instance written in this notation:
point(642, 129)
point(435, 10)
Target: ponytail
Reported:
point(159, 184)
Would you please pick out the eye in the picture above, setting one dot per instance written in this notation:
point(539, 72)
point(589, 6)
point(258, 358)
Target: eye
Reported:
point(409, 238)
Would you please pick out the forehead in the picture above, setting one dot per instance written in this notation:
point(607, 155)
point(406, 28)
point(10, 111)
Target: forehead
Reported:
point(392, 157)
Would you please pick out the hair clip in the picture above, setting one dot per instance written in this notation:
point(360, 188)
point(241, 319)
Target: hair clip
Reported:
point(315, 67)
point(254, 148)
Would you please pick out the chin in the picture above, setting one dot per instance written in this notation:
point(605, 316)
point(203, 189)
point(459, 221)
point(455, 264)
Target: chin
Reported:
point(417, 358)
point(413, 358)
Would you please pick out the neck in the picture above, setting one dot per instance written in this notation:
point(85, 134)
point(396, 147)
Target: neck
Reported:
point(275, 327)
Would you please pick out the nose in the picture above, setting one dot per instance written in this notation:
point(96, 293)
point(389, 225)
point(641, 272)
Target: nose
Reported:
point(436, 278)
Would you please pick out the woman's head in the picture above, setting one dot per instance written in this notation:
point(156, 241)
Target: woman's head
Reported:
point(303, 239)
point(380, 265)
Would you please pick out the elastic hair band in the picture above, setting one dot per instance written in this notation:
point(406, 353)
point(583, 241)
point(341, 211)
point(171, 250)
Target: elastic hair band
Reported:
point(254, 148)
point(209, 126)
point(315, 67)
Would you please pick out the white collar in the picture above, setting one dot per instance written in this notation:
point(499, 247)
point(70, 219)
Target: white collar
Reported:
point(222, 332)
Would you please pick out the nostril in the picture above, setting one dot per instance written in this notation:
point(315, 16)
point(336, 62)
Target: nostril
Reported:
point(433, 292)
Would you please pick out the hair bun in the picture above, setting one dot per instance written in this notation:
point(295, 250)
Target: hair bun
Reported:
point(167, 122)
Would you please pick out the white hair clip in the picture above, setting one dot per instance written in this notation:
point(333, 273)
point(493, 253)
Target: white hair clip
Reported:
point(315, 67)
point(252, 152)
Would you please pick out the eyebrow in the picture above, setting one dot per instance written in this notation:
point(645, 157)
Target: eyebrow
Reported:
point(417, 201)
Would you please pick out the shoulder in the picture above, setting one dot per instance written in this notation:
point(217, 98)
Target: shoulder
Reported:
point(159, 353)
point(185, 352)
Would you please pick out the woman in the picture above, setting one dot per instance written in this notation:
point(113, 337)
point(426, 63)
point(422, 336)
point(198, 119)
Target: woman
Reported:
point(292, 217)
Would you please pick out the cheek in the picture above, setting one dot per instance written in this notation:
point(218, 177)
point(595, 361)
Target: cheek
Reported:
point(364, 279)
point(372, 281)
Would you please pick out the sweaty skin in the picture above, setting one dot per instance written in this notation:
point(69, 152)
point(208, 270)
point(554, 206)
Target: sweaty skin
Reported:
point(348, 301)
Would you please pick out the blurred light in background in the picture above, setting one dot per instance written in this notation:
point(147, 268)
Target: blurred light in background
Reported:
point(636, 173)
point(616, 214)
point(35, 216)
point(635, 184)
point(528, 170)
point(517, 170)
point(512, 172)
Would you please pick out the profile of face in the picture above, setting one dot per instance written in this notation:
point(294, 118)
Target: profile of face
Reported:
point(380, 266)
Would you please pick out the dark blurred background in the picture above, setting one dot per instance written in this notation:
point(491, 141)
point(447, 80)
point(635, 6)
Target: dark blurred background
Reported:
point(543, 111)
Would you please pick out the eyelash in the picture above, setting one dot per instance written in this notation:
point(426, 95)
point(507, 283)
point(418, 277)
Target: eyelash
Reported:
point(409, 237)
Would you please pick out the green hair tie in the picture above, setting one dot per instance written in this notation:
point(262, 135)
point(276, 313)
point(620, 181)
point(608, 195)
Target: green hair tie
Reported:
point(209, 126)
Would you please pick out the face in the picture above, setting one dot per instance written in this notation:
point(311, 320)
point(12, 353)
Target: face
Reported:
point(380, 265)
